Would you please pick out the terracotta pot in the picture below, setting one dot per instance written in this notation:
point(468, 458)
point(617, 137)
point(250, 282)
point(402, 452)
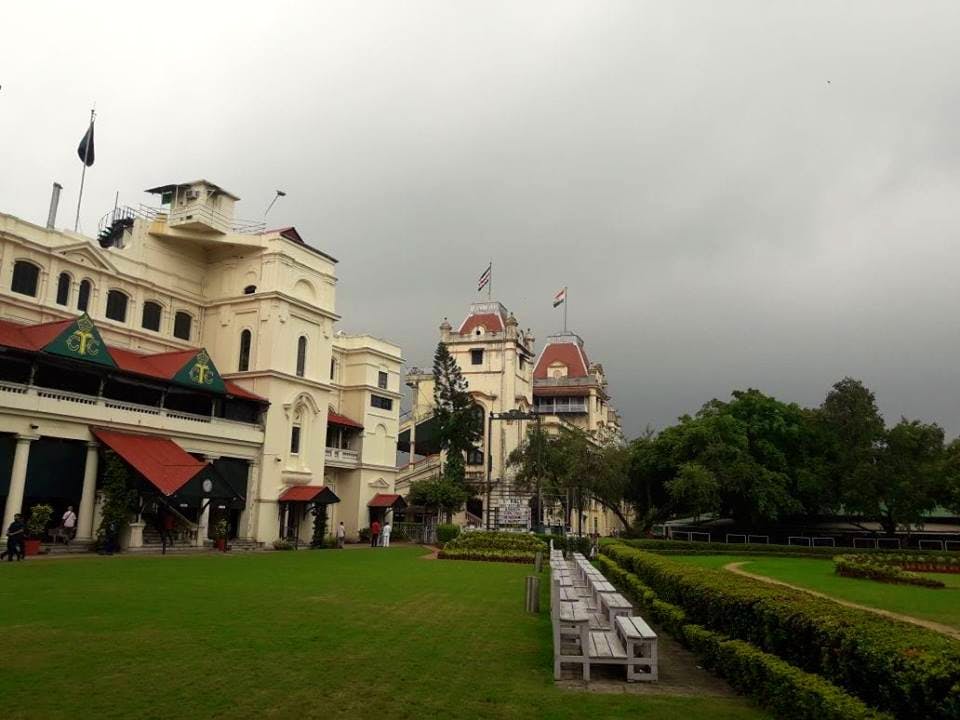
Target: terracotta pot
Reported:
point(31, 547)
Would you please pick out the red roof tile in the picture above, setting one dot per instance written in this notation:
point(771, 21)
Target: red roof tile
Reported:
point(386, 500)
point(30, 337)
point(338, 419)
point(238, 391)
point(309, 493)
point(491, 321)
point(160, 460)
point(568, 353)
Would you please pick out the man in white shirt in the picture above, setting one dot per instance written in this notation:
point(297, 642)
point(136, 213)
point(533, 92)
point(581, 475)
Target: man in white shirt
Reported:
point(385, 533)
point(341, 535)
point(69, 524)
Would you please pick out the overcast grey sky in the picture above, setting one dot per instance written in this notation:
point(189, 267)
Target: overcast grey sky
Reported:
point(737, 194)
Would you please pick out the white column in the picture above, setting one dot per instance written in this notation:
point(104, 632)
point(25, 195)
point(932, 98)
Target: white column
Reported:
point(248, 515)
point(203, 524)
point(88, 498)
point(18, 480)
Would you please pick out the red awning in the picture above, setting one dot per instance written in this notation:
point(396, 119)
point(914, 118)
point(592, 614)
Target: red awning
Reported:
point(160, 460)
point(309, 493)
point(337, 419)
point(386, 500)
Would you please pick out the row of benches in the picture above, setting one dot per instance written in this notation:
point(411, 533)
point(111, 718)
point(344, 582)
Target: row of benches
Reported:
point(593, 624)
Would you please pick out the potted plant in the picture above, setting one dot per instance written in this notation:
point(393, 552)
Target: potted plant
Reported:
point(221, 531)
point(37, 527)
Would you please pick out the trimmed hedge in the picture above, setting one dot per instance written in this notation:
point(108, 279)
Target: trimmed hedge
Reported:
point(485, 555)
point(568, 543)
point(446, 533)
point(494, 546)
point(860, 566)
point(685, 547)
point(907, 670)
point(788, 691)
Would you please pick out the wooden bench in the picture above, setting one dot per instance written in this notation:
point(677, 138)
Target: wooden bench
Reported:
point(615, 605)
point(573, 619)
point(640, 645)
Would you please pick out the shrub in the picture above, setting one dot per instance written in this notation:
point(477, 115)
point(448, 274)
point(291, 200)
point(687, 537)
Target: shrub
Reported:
point(282, 545)
point(774, 683)
point(364, 534)
point(904, 669)
point(860, 566)
point(787, 691)
point(567, 543)
point(38, 521)
point(504, 546)
point(484, 555)
point(666, 547)
point(446, 533)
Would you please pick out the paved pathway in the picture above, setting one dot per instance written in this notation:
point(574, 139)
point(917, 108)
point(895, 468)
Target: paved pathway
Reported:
point(737, 568)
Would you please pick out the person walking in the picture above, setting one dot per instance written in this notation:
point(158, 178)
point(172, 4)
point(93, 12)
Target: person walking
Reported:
point(385, 533)
point(374, 533)
point(341, 535)
point(69, 524)
point(167, 523)
point(15, 544)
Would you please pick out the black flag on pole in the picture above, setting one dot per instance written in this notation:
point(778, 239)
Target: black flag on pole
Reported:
point(85, 149)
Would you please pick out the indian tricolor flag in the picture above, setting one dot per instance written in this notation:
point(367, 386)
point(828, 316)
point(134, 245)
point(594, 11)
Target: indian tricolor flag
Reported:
point(560, 298)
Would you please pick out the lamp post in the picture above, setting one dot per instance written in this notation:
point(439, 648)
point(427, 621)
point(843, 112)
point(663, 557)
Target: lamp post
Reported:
point(514, 414)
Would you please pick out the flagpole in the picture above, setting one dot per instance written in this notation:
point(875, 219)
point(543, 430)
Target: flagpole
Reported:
point(83, 174)
point(490, 284)
point(566, 299)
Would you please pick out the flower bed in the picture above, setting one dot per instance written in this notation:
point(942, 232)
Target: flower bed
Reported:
point(909, 671)
point(685, 547)
point(869, 568)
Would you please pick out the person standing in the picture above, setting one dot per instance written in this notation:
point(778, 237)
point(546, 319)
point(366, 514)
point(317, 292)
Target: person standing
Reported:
point(385, 533)
point(69, 524)
point(167, 524)
point(15, 544)
point(374, 533)
point(341, 535)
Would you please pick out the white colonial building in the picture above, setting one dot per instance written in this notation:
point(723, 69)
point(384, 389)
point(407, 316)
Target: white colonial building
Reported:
point(203, 352)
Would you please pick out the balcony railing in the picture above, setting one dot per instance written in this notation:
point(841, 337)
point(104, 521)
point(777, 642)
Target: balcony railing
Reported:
point(587, 381)
point(342, 456)
point(36, 396)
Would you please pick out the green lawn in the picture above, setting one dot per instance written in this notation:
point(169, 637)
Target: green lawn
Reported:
point(939, 605)
point(351, 634)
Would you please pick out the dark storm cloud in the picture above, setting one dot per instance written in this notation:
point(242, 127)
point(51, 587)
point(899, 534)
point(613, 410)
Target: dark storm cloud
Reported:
point(737, 194)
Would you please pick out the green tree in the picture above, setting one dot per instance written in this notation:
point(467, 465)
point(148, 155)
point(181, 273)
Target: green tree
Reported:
point(903, 479)
point(119, 499)
point(440, 494)
point(319, 526)
point(648, 471)
point(853, 428)
point(695, 488)
point(459, 424)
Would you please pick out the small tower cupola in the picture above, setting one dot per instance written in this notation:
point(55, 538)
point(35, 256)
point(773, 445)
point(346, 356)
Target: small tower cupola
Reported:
point(198, 206)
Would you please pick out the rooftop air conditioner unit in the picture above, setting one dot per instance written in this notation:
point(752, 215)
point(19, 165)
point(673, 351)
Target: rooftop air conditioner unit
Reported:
point(193, 194)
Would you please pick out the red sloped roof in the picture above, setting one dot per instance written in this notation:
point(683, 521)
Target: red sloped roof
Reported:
point(491, 321)
point(161, 365)
point(309, 493)
point(234, 389)
point(31, 337)
point(160, 460)
point(386, 500)
point(338, 419)
point(568, 353)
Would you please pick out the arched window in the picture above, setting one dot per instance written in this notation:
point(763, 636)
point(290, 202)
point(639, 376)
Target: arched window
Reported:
point(25, 277)
point(301, 355)
point(151, 316)
point(245, 337)
point(63, 288)
point(83, 295)
point(117, 305)
point(182, 322)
